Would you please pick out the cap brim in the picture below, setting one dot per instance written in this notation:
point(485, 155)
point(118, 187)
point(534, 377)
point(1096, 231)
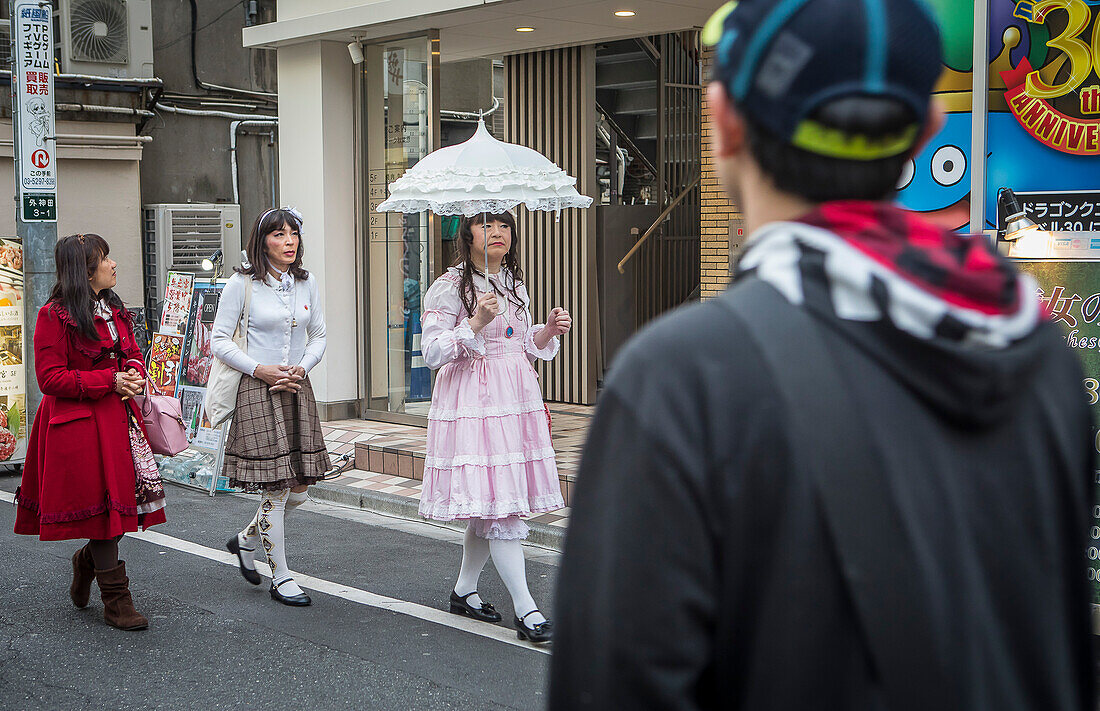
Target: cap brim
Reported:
point(712, 30)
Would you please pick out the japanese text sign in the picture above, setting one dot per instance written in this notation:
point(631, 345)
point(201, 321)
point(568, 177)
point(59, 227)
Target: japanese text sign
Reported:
point(32, 76)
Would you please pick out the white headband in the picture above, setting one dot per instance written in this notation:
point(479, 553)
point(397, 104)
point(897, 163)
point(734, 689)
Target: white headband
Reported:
point(291, 210)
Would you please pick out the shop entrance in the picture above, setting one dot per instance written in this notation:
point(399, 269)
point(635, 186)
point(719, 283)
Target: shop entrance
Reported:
point(399, 125)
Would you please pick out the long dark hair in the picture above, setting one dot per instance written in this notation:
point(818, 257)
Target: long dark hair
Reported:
point(463, 260)
point(265, 224)
point(77, 258)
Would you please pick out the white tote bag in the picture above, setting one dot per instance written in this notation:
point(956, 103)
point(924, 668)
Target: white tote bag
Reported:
point(225, 380)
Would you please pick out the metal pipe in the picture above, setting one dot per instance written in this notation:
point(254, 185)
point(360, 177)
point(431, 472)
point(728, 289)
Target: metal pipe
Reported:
point(233, 128)
point(215, 114)
point(657, 223)
point(105, 109)
point(93, 79)
point(979, 116)
point(74, 139)
point(471, 115)
point(92, 137)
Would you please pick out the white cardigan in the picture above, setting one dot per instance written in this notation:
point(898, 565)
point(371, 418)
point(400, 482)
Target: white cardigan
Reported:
point(271, 339)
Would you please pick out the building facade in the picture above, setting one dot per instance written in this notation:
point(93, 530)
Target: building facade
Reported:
point(616, 100)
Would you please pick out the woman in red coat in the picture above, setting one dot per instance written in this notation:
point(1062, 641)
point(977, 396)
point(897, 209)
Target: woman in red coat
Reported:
point(80, 479)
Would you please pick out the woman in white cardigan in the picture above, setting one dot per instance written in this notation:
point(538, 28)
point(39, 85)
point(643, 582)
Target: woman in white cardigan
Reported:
point(275, 445)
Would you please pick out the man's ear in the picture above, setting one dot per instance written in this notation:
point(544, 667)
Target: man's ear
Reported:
point(728, 125)
point(936, 119)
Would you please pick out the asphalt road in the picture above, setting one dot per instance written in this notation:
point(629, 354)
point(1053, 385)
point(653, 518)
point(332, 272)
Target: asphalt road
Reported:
point(374, 638)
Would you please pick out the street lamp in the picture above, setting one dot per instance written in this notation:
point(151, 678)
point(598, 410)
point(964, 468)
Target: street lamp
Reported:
point(214, 263)
point(1029, 240)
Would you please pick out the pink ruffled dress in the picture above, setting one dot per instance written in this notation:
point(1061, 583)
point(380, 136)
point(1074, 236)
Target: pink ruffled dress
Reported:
point(489, 456)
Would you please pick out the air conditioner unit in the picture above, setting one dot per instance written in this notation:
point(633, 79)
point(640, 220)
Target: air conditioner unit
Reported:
point(112, 38)
point(179, 236)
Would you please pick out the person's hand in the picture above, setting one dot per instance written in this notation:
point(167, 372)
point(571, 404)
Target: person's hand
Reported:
point(558, 322)
point(484, 313)
point(129, 383)
point(291, 382)
point(271, 374)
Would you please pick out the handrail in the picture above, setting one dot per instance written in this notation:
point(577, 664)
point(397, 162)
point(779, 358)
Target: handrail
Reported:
point(657, 223)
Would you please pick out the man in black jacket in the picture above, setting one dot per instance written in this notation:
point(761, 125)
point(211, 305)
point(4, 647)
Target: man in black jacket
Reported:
point(713, 561)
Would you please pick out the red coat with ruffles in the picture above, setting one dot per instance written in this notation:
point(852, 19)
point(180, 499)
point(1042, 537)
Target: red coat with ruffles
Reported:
point(78, 480)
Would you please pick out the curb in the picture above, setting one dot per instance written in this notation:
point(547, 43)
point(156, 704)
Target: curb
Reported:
point(543, 535)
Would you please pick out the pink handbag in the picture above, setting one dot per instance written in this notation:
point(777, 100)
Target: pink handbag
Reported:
point(162, 416)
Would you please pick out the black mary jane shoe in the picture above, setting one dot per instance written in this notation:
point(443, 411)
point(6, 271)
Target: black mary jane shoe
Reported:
point(540, 634)
point(249, 574)
point(461, 606)
point(301, 600)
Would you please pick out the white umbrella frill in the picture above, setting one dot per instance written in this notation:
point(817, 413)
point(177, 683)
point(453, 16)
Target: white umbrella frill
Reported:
point(483, 175)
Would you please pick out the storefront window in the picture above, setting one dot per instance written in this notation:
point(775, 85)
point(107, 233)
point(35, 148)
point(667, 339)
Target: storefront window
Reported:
point(399, 130)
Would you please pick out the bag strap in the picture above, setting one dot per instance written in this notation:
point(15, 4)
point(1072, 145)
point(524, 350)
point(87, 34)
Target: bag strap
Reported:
point(877, 558)
point(243, 318)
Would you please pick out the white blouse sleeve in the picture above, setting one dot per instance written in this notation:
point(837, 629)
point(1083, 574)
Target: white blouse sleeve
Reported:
point(533, 352)
point(230, 305)
point(445, 332)
point(315, 328)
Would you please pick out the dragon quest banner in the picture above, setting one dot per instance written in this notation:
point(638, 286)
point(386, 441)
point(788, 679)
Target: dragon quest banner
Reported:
point(1043, 125)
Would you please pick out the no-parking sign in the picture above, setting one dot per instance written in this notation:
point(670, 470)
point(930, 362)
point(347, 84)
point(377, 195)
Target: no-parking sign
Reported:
point(33, 79)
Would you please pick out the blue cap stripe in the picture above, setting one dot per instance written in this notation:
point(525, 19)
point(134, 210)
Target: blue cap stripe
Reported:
point(760, 41)
point(875, 71)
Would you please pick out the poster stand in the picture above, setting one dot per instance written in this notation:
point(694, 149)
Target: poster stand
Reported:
point(189, 316)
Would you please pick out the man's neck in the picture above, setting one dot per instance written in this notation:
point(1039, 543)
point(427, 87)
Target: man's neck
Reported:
point(763, 203)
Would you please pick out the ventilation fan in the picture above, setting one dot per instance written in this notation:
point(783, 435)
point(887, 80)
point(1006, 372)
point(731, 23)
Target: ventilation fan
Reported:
point(99, 31)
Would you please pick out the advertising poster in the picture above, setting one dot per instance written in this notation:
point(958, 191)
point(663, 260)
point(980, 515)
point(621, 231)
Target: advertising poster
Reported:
point(1044, 99)
point(199, 432)
point(200, 317)
point(1071, 291)
point(164, 361)
point(195, 370)
point(937, 182)
point(177, 301)
point(13, 384)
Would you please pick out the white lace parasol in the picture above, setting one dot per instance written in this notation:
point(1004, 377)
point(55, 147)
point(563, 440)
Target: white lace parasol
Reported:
point(483, 175)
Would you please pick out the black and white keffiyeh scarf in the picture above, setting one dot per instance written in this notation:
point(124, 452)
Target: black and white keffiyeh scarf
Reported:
point(871, 262)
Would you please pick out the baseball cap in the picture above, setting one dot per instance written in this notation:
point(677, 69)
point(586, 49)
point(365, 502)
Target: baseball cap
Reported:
point(781, 60)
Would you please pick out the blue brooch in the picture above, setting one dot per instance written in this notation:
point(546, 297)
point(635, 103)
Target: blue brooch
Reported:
point(508, 332)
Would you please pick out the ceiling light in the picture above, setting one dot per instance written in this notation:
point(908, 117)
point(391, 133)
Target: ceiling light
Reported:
point(525, 29)
point(625, 13)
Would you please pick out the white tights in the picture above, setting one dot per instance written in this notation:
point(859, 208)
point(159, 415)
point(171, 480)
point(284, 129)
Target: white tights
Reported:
point(509, 561)
point(267, 528)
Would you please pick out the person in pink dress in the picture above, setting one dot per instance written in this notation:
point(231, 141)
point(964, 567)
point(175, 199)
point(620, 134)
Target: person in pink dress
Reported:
point(489, 457)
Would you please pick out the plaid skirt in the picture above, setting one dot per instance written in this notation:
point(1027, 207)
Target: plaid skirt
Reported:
point(275, 440)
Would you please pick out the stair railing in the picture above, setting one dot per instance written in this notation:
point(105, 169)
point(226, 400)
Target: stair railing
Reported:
point(657, 223)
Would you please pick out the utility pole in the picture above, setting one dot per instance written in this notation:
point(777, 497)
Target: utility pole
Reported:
point(33, 128)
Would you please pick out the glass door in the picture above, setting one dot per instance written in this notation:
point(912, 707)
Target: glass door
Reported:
point(401, 126)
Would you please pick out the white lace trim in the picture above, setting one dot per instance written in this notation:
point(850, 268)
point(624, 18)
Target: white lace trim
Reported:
point(494, 180)
point(472, 342)
point(475, 412)
point(451, 510)
point(510, 528)
point(489, 460)
point(469, 208)
point(552, 346)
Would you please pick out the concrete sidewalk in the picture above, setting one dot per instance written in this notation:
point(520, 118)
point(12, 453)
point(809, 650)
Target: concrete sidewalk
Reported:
point(389, 468)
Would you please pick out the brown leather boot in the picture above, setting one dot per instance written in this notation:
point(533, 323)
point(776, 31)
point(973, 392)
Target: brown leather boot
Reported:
point(83, 574)
point(118, 606)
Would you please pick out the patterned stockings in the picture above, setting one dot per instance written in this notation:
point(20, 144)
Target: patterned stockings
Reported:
point(267, 528)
